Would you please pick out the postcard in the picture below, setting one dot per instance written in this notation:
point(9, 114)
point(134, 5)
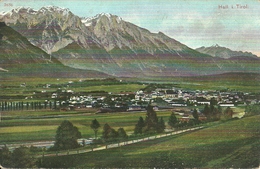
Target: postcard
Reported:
point(129, 84)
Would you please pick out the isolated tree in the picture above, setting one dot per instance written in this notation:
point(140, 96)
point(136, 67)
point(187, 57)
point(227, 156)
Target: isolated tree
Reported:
point(66, 136)
point(50, 104)
point(45, 105)
point(122, 134)
point(139, 126)
point(22, 158)
point(220, 110)
point(109, 133)
point(195, 114)
point(206, 111)
point(55, 104)
point(94, 126)
point(151, 120)
point(215, 114)
point(172, 120)
point(161, 125)
point(113, 134)
point(27, 106)
point(106, 131)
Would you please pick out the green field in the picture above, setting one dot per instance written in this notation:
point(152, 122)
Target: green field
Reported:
point(111, 88)
point(245, 82)
point(42, 125)
point(11, 89)
point(234, 144)
point(27, 126)
point(17, 89)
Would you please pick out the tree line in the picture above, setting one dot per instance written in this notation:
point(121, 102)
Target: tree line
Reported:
point(67, 134)
point(20, 106)
point(21, 157)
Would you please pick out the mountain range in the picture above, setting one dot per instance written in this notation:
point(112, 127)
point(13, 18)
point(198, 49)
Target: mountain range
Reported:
point(223, 52)
point(107, 44)
point(18, 57)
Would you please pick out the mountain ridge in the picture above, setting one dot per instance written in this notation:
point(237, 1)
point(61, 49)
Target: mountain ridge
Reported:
point(20, 58)
point(223, 52)
point(106, 43)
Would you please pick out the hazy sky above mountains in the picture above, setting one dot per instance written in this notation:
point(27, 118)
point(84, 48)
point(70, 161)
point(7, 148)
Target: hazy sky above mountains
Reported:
point(231, 23)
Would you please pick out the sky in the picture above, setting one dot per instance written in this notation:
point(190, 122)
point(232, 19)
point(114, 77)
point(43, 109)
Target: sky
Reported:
point(230, 23)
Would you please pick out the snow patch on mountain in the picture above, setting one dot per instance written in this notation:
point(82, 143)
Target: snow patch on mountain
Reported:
point(64, 11)
point(88, 20)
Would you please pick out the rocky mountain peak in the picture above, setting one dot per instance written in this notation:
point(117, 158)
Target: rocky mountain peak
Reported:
point(216, 46)
point(29, 10)
point(102, 17)
point(51, 24)
point(54, 10)
point(24, 14)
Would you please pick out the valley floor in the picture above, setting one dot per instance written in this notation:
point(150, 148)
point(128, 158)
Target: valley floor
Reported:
point(233, 144)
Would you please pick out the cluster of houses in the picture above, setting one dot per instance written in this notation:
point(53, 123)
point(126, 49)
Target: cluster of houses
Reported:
point(177, 97)
point(168, 98)
point(161, 98)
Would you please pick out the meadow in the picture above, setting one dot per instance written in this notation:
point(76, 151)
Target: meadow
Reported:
point(244, 82)
point(10, 88)
point(233, 144)
point(17, 89)
point(41, 125)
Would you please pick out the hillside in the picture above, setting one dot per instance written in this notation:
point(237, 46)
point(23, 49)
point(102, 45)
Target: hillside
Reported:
point(20, 58)
point(62, 35)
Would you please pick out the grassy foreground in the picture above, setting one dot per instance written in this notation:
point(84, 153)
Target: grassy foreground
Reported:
point(232, 144)
point(30, 126)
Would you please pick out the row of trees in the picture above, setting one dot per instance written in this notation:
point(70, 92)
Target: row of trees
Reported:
point(67, 135)
point(214, 112)
point(151, 124)
point(11, 106)
point(20, 158)
point(108, 134)
point(211, 111)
